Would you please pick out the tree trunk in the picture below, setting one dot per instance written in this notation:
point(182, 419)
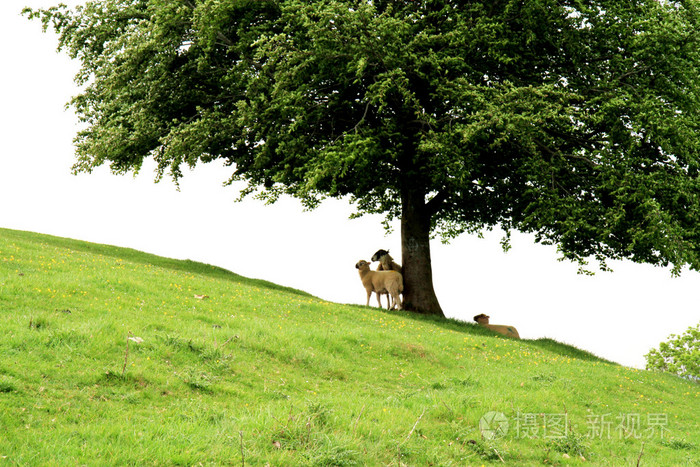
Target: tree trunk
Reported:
point(418, 294)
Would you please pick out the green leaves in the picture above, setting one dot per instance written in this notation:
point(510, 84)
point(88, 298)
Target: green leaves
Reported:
point(679, 355)
point(577, 122)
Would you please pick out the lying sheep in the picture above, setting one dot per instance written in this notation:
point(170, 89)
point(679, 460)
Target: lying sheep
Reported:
point(509, 331)
point(379, 282)
point(386, 262)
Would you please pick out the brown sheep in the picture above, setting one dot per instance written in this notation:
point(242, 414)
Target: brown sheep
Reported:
point(386, 263)
point(379, 282)
point(509, 331)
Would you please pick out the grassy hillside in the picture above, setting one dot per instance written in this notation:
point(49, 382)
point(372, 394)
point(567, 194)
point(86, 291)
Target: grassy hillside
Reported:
point(257, 374)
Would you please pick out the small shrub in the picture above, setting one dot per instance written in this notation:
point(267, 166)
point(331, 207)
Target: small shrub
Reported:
point(111, 378)
point(198, 380)
point(467, 382)
point(319, 413)
point(38, 323)
point(182, 344)
point(544, 377)
point(678, 444)
point(336, 374)
point(326, 455)
point(6, 385)
point(485, 450)
point(572, 444)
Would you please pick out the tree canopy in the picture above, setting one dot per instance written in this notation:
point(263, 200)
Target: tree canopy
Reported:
point(573, 120)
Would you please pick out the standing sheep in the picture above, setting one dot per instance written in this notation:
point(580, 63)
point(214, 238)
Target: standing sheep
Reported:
point(379, 282)
point(386, 262)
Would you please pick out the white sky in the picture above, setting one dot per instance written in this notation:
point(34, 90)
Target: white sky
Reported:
point(619, 316)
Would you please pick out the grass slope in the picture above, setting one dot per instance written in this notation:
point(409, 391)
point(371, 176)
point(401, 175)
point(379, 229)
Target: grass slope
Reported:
point(258, 374)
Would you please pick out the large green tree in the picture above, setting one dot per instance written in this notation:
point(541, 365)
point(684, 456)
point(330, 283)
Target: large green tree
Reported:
point(574, 120)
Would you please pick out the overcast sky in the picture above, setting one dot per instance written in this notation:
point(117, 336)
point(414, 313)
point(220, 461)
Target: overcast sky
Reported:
point(619, 316)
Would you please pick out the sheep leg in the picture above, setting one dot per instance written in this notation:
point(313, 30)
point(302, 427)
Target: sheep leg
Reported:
point(369, 294)
point(391, 297)
point(379, 299)
point(388, 301)
point(397, 301)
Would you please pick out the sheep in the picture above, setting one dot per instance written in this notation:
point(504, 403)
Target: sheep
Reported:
point(379, 282)
point(508, 331)
point(386, 262)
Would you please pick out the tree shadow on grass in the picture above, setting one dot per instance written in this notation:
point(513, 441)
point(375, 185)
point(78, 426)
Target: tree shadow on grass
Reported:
point(545, 343)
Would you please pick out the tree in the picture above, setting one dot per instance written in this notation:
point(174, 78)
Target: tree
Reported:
point(679, 355)
point(576, 121)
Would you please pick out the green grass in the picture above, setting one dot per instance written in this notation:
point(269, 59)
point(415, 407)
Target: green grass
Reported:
point(260, 374)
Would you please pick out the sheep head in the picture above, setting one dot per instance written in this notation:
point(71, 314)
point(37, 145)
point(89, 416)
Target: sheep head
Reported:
point(482, 319)
point(379, 254)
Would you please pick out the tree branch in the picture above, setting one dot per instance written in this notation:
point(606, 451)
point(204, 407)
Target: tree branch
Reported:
point(436, 203)
point(363, 117)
